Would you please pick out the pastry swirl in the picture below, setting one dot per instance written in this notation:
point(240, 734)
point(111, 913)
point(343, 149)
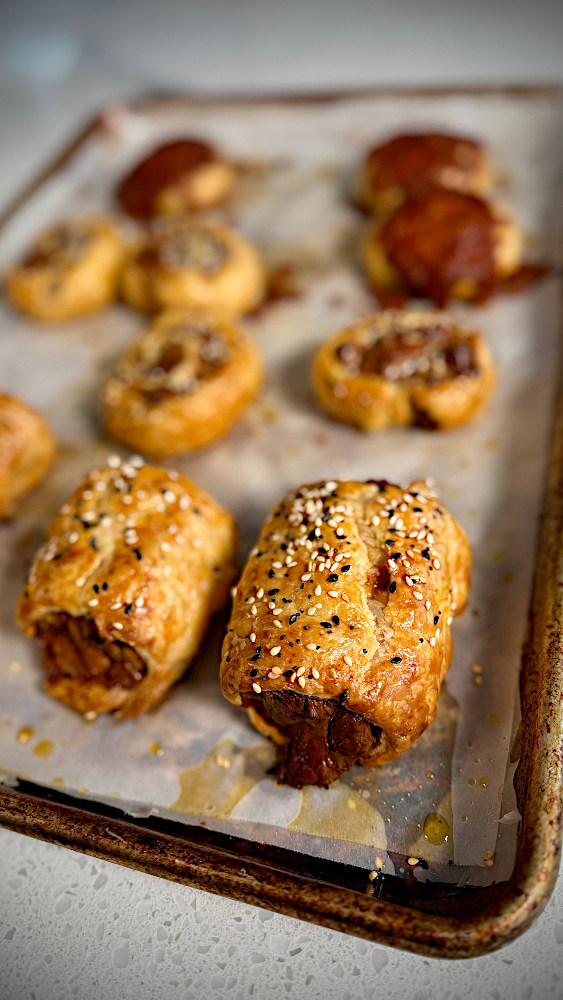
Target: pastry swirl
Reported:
point(26, 451)
point(181, 384)
point(72, 269)
point(340, 633)
point(401, 367)
point(182, 262)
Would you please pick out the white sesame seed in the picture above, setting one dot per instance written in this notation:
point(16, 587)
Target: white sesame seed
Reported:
point(169, 496)
point(184, 501)
point(348, 659)
point(427, 605)
point(277, 565)
point(114, 607)
point(254, 610)
point(80, 581)
point(292, 678)
point(276, 671)
point(412, 861)
point(436, 563)
point(73, 537)
point(166, 547)
point(345, 598)
point(310, 645)
point(117, 625)
point(432, 641)
point(277, 611)
point(93, 602)
point(315, 673)
point(409, 582)
point(114, 461)
point(301, 682)
point(260, 593)
point(418, 595)
point(252, 637)
point(332, 593)
point(233, 592)
point(271, 605)
point(318, 590)
point(139, 601)
point(257, 688)
point(277, 623)
point(311, 611)
point(275, 650)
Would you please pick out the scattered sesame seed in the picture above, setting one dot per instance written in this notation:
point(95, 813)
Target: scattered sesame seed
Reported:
point(310, 645)
point(301, 682)
point(80, 581)
point(256, 687)
point(169, 496)
point(275, 650)
point(318, 590)
point(412, 861)
point(348, 659)
point(332, 593)
point(311, 611)
point(432, 641)
point(427, 605)
point(93, 602)
point(436, 563)
point(117, 625)
point(252, 637)
point(418, 595)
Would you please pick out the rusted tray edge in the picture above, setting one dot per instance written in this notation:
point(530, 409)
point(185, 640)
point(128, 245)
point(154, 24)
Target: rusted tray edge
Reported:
point(539, 774)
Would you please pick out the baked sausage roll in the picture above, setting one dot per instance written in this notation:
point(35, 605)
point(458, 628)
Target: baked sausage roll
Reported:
point(340, 633)
point(72, 269)
point(123, 590)
point(403, 368)
point(186, 263)
point(182, 384)
point(411, 166)
point(446, 246)
point(182, 176)
point(26, 451)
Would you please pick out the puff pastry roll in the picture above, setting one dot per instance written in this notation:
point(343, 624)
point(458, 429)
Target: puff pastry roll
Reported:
point(400, 367)
point(340, 632)
point(409, 166)
point(446, 246)
point(181, 176)
point(72, 269)
point(123, 590)
point(186, 263)
point(182, 384)
point(26, 451)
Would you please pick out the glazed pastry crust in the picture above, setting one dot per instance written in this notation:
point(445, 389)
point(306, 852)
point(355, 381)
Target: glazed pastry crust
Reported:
point(412, 165)
point(72, 269)
point(182, 176)
point(186, 263)
point(426, 370)
point(27, 449)
point(385, 644)
point(140, 558)
point(446, 246)
point(182, 384)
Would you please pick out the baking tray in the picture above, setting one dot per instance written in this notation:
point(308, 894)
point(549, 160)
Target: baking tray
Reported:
point(426, 917)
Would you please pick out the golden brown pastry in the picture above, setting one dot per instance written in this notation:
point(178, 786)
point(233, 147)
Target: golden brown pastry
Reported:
point(181, 176)
point(26, 451)
point(401, 367)
point(445, 246)
point(181, 385)
point(410, 166)
point(340, 634)
point(186, 263)
point(122, 592)
point(72, 269)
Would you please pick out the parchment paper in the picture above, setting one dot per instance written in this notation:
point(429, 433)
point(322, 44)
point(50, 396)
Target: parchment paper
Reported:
point(449, 801)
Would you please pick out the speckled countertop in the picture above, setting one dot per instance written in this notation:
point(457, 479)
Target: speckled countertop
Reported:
point(71, 926)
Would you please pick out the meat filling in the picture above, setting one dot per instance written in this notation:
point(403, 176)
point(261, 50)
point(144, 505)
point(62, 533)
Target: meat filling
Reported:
point(434, 354)
point(139, 191)
point(73, 649)
point(178, 363)
point(324, 737)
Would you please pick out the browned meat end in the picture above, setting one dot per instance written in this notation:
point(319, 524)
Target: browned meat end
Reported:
point(72, 648)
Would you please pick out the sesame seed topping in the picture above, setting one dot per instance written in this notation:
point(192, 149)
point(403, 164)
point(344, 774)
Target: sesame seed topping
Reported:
point(310, 645)
point(275, 650)
point(306, 577)
point(432, 641)
point(117, 625)
point(169, 496)
point(332, 593)
point(252, 637)
point(80, 581)
point(427, 605)
point(318, 590)
point(418, 595)
point(93, 602)
point(315, 673)
point(256, 687)
point(348, 659)
point(436, 563)
point(311, 611)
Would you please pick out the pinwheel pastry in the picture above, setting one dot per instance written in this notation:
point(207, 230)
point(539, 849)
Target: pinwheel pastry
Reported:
point(72, 269)
point(400, 367)
point(340, 634)
point(26, 451)
point(445, 246)
point(182, 262)
point(182, 176)
point(181, 385)
point(410, 166)
point(121, 593)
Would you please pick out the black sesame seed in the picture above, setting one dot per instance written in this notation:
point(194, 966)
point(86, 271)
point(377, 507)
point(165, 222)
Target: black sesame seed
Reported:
point(343, 697)
point(426, 553)
point(395, 555)
point(333, 578)
point(138, 553)
point(298, 642)
point(436, 619)
point(396, 659)
point(274, 590)
point(392, 587)
point(94, 544)
point(418, 510)
point(293, 618)
point(128, 609)
point(326, 624)
point(287, 600)
point(255, 657)
point(312, 535)
point(271, 573)
point(364, 650)
point(96, 589)
point(336, 619)
point(287, 673)
point(253, 672)
point(345, 568)
point(389, 541)
point(105, 586)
